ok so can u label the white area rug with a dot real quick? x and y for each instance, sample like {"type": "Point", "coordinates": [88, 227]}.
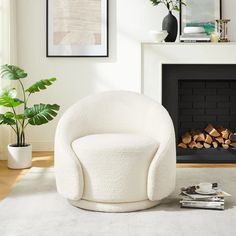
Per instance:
{"type": "Point", "coordinates": [35, 209]}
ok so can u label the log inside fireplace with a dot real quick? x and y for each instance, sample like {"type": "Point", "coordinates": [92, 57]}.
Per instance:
{"type": "Point", "coordinates": [210, 137]}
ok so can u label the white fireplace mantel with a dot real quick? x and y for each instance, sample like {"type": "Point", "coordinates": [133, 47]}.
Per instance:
{"type": "Point", "coordinates": [154, 55]}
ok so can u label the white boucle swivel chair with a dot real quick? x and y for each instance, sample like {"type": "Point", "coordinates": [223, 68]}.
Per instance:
{"type": "Point", "coordinates": [115, 152]}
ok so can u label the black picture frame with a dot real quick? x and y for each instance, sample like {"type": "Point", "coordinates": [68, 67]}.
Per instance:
{"type": "Point", "coordinates": [48, 54]}
{"type": "Point", "coordinates": [181, 18]}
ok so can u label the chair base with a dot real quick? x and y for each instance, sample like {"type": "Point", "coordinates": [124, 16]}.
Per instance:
{"type": "Point", "coordinates": [114, 207]}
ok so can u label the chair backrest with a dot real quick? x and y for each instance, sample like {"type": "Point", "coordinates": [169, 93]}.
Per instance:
{"type": "Point", "coordinates": [115, 112]}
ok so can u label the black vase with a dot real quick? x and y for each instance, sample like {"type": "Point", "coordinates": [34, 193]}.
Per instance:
{"type": "Point", "coordinates": [170, 24]}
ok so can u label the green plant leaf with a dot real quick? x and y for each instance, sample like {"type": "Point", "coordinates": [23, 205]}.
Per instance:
{"type": "Point", "coordinates": [155, 2]}
{"type": "Point", "coordinates": [20, 117]}
{"type": "Point", "coordinates": [16, 117]}
{"type": "Point", "coordinates": [9, 114]}
{"type": "Point", "coordinates": [7, 101]}
{"type": "Point", "coordinates": [6, 119]}
{"type": "Point", "coordinates": [9, 92]}
{"type": "Point", "coordinates": [182, 2]}
{"type": "Point", "coordinates": [41, 113]}
{"type": "Point", "coordinates": [176, 8]}
{"type": "Point", "coordinates": [40, 85]}
{"type": "Point", "coordinates": [12, 72]}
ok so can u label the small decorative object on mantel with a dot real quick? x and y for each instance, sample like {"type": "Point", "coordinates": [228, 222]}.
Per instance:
{"type": "Point", "coordinates": [158, 36]}
{"type": "Point", "coordinates": [170, 22]}
{"type": "Point", "coordinates": [194, 34]}
{"type": "Point", "coordinates": [215, 37]}
{"type": "Point", "coordinates": [20, 114]}
{"type": "Point", "coordinates": [222, 29]}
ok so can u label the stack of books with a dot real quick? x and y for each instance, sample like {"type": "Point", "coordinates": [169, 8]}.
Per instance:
{"type": "Point", "coordinates": [195, 38]}
{"type": "Point", "coordinates": [192, 199]}
{"type": "Point", "coordinates": [194, 34]}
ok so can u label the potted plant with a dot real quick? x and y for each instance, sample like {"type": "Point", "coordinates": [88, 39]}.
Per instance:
{"type": "Point", "coordinates": [19, 115]}
{"type": "Point", "coordinates": [170, 23]}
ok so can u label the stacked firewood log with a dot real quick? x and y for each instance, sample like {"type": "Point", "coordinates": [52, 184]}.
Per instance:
{"type": "Point", "coordinates": [211, 137]}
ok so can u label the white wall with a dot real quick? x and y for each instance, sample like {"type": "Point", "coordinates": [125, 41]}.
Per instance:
{"type": "Point", "coordinates": [129, 20]}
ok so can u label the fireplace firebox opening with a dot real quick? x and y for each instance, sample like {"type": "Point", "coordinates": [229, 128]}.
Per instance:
{"type": "Point", "coordinates": [201, 100]}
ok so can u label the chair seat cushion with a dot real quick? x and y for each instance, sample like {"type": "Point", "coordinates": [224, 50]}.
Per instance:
{"type": "Point", "coordinates": [115, 166]}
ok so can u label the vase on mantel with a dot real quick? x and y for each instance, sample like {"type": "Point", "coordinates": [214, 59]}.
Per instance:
{"type": "Point", "coordinates": [170, 24]}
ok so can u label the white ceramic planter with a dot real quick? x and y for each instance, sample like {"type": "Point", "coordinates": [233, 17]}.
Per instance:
{"type": "Point", "coordinates": [19, 157]}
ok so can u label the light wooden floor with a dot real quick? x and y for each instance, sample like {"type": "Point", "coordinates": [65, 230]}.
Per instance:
{"type": "Point", "coordinates": [8, 177]}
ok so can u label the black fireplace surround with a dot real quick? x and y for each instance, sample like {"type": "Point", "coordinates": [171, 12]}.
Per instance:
{"type": "Point", "coordinates": [196, 95]}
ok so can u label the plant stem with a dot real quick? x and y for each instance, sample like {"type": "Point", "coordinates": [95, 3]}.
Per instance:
{"type": "Point", "coordinates": [28, 97]}
{"type": "Point", "coordinates": [167, 4]}
{"type": "Point", "coordinates": [23, 92]}
{"type": "Point", "coordinates": [17, 129]}
{"type": "Point", "coordinates": [26, 125]}
{"type": "Point", "coordinates": [13, 129]}
{"type": "Point", "coordinates": [22, 136]}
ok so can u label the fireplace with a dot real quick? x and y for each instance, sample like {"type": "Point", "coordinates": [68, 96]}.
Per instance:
{"type": "Point", "coordinates": [196, 95]}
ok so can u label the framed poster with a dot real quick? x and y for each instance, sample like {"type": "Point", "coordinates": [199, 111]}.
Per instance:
{"type": "Point", "coordinates": [77, 28]}
{"type": "Point", "coordinates": [203, 13]}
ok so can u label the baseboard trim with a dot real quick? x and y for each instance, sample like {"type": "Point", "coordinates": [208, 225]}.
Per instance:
{"type": "Point", "coordinates": [42, 146]}
{"type": "Point", "coordinates": [36, 147]}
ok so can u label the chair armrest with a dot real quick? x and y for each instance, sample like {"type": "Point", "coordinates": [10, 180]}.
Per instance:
{"type": "Point", "coordinates": [162, 171]}
{"type": "Point", "coordinates": [69, 173]}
